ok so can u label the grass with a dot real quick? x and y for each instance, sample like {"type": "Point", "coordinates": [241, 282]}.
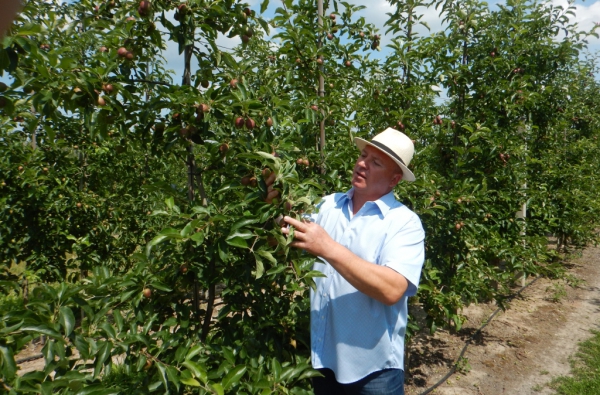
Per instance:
{"type": "Point", "coordinates": [585, 368]}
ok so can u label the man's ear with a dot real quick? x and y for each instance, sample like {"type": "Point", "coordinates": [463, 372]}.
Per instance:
{"type": "Point", "coordinates": [396, 179]}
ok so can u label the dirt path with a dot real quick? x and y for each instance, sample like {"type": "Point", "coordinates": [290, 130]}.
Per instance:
{"type": "Point", "coordinates": [521, 349]}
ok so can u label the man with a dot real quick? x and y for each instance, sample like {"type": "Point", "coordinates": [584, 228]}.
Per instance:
{"type": "Point", "coordinates": [370, 247]}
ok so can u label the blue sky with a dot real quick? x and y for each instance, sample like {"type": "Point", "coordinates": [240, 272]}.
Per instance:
{"type": "Point", "coordinates": [587, 13]}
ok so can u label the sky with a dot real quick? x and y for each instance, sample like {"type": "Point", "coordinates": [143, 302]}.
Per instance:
{"type": "Point", "coordinates": [587, 13]}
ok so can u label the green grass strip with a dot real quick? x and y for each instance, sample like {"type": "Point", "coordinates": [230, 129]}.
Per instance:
{"type": "Point", "coordinates": [585, 368]}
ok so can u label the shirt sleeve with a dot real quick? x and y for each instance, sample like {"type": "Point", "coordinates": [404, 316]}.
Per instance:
{"type": "Point", "coordinates": [404, 252]}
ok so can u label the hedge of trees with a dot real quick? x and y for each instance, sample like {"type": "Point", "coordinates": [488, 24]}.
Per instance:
{"type": "Point", "coordinates": [137, 235]}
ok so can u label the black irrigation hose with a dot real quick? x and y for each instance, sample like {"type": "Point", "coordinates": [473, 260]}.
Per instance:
{"type": "Point", "coordinates": [462, 353]}
{"type": "Point", "coordinates": [29, 358]}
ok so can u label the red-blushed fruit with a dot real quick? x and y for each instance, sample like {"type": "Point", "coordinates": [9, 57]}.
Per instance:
{"type": "Point", "coordinates": [3, 102]}
{"type": "Point", "coordinates": [3, 87]}
{"type": "Point", "coordinates": [348, 63]}
{"type": "Point", "coordinates": [329, 36]}
{"type": "Point", "coordinates": [147, 292]}
{"type": "Point", "coordinates": [184, 268]}
{"type": "Point", "coordinates": [129, 55]}
{"type": "Point", "coordinates": [204, 84]}
{"type": "Point", "coordinates": [144, 6]}
{"type": "Point", "coordinates": [269, 122]}
{"type": "Point", "coordinates": [108, 88]}
{"type": "Point", "coordinates": [247, 11]}
{"type": "Point", "coordinates": [305, 162]}
{"type": "Point", "coordinates": [122, 52]}
{"type": "Point", "coordinates": [101, 101]}
{"type": "Point", "coordinates": [299, 161]}
{"type": "Point", "coordinates": [253, 182]}
{"type": "Point", "coordinates": [203, 107]}
{"type": "Point", "coordinates": [319, 61]}
{"type": "Point", "coordinates": [275, 154]}
{"type": "Point", "coordinates": [271, 195]}
{"type": "Point", "coordinates": [298, 60]}
{"type": "Point", "coordinates": [453, 124]}
{"type": "Point", "coordinates": [458, 226]}
{"type": "Point", "coordinates": [103, 49]}
{"type": "Point", "coordinates": [287, 206]}
{"type": "Point", "coordinates": [223, 148]}
{"type": "Point", "coordinates": [45, 170]}
{"type": "Point", "coordinates": [400, 125]}
{"type": "Point", "coordinates": [78, 205]}
{"type": "Point", "coordinates": [332, 16]}
{"type": "Point", "coordinates": [182, 8]}
{"type": "Point", "coordinates": [245, 181]}
{"type": "Point", "coordinates": [184, 132]}
{"type": "Point", "coordinates": [361, 34]}
{"type": "Point", "coordinates": [239, 122]}
{"type": "Point", "coordinates": [130, 19]}
{"type": "Point", "coordinates": [20, 168]}
{"type": "Point", "coordinates": [250, 123]}
{"type": "Point", "coordinates": [266, 172]}
{"type": "Point", "coordinates": [245, 39]}
{"type": "Point", "coordinates": [314, 107]}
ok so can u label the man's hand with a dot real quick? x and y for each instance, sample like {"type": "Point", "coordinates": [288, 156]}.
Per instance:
{"type": "Point", "coordinates": [309, 236]}
{"type": "Point", "coordinates": [270, 177]}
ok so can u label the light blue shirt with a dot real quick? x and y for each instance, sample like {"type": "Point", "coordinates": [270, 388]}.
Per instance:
{"type": "Point", "coordinates": [351, 333]}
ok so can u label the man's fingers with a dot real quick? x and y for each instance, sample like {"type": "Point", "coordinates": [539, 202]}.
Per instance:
{"type": "Point", "coordinates": [295, 223]}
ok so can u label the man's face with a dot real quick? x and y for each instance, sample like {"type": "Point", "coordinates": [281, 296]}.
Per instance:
{"type": "Point", "coordinates": [375, 173]}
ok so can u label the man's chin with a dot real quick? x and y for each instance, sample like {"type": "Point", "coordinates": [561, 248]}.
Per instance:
{"type": "Point", "coordinates": [358, 182]}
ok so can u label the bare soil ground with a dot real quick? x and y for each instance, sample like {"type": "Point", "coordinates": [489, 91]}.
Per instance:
{"type": "Point", "coordinates": [518, 352]}
{"type": "Point", "coordinates": [522, 348]}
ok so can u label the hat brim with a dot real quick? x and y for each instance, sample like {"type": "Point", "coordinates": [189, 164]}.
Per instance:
{"type": "Point", "coordinates": [407, 175]}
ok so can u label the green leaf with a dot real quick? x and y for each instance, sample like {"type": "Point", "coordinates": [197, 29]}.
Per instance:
{"type": "Point", "coordinates": [241, 234]}
{"type": "Point", "coordinates": [9, 367]}
{"type": "Point", "coordinates": [195, 350]}
{"type": "Point", "coordinates": [66, 319]}
{"type": "Point", "coordinates": [101, 357]}
{"type": "Point", "coordinates": [218, 388]}
{"type": "Point", "coordinates": [190, 381]}
{"type": "Point", "coordinates": [266, 254]}
{"type": "Point", "coordinates": [110, 331]}
{"type": "Point", "coordinates": [233, 377]}
{"type": "Point", "coordinates": [260, 267]}
{"type": "Point", "coordinates": [42, 330]}
{"type": "Point", "coordinates": [161, 286]}
{"type": "Point", "coordinates": [263, 6]}
{"type": "Point", "coordinates": [197, 370]}
{"type": "Point", "coordinates": [237, 242]}
{"type": "Point", "coordinates": [172, 373]}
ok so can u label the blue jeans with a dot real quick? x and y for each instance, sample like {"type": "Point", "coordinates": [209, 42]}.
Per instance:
{"type": "Point", "coordinates": [383, 382]}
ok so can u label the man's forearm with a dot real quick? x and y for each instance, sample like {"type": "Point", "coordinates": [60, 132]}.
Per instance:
{"type": "Point", "coordinates": [379, 282]}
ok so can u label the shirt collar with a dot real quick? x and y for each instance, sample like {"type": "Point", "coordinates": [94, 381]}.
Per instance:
{"type": "Point", "coordinates": [384, 203]}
